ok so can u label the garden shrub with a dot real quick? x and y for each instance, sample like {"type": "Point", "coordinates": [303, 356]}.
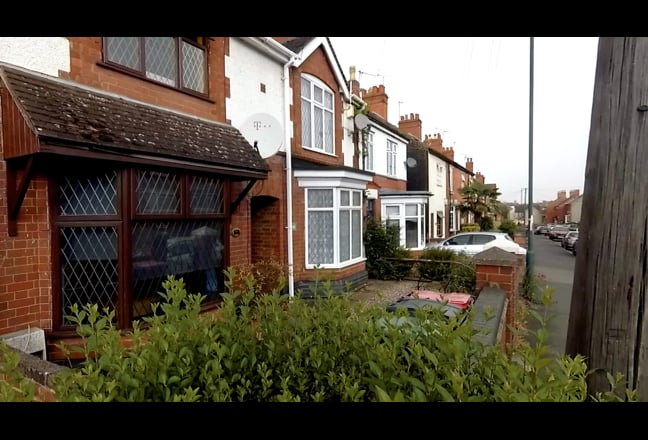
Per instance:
{"type": "Point", "coordinates": [455, 271]}
{"type": "Point", "coordinates": [265, 276]}
{"type": "Point", "coordinates": [508, 226]}
{"type": "Point", "coordinates": [382, 245]}
{"type": "Point", "coordinates": [486, 223]}
{"type": "Point", "coordinates": [272, 348]}
{"type": "Point", "coordinates": [469, 227]}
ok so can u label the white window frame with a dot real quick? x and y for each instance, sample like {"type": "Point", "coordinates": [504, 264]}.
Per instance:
{"type": "Point", "coordinates": [402, 217]}
{"type": "Point", "coordinates": [368, 154]}
{"type": "Point", "coordinates": [336, 180]}
{"type": "Point", "coordinates": [354, 205]}
{"type": "Point", "coordinates": [439, 176]}
{"type": "Point", "coordinates": [391, 157]}
{"type": "Point", "coordinates": [310, 104]}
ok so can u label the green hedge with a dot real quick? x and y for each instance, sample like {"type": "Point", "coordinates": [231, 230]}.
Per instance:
{"type": "Point", "coordinates": [272, 348]}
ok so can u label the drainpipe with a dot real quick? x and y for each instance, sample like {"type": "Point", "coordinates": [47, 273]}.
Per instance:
{"type": "Point", "coordinates": [289, 199]}
{"type": "Point", "coordinates": [287, 132]}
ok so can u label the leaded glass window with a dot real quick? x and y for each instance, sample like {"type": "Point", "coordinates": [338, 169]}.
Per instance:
{"type": "Point", "coordinates": [179, 62]}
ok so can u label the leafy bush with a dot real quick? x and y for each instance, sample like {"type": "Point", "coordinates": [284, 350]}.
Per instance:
{"type": "Point", "coordinates": [469, 227]}
{"type": "Point", "coordinates": [455, 271]}
{"type": "Point", "coordinates": [382, 245]}
{"type": "Point", "coordinates": [439, 268]}
{"type": "Point", "coordinates": [14, 386]}
{"type": "Point", "coordinates": [262, 277]}
{"type": "Point", "coordinates": [486, 223]}
{"type": "Point", "coordinates": [508, 226]}
{"type": "Point", "coordinates": [278, 349]}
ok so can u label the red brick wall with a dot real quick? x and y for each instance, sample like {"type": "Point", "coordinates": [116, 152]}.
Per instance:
{"type": "Point", "coordinates": [85, 54]}
{"type": "Point", "coordinates": [25, 263]}
{"type": "Point", "coordinates": [509, 279]}
{"type": "Point", "coordinates": [318, 66]}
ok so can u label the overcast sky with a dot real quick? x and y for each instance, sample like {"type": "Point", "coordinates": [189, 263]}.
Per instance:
{"type": "Point", "coordinates": [475, 92]}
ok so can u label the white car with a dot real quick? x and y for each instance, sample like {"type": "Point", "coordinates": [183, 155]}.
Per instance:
{"type": "Point", "coordinates": [472, 243]}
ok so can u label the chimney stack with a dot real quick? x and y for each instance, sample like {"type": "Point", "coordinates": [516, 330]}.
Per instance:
{"type": "Point", "coordinates": [376, 100]}
{"type": "Point", "coordinates": [469, 164]}
{"type": "Point", "coordinates": [411, 125]}
{"type": "Point", "coordinates": [574, 193]}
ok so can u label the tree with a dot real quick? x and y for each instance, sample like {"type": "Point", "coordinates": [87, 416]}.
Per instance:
{"type": "Point", "coordinates": [608, 308]}
{"type": "Point", "coordinates": [480, 199]}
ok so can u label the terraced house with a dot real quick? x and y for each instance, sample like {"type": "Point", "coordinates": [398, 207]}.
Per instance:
{"type": "Point", "coordinates": [126, 159]}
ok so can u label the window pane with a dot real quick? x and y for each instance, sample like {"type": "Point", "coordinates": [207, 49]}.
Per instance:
{"type": "Point", "coordinates": [193, 68]}
{"type": "Point", "coordinates": [411, 233]}
{"type": "Point", "coordinates": [320, 237]}
{"type": "Point", "coordinates": [318, 141]}
{"type": "Point", "coordinates": [124, 51]}
{"type": "Point", "coordinates": [411, 210]}
{"type": "Point", "coordinates": [161, 60]}
{"type": "Point", "coordinates": [320, 198]}
{"type": "Point", "coordinates": [328, 132]}
{"type": "Point", "coordinates": [305, 88]}
{"type": "Point", "coordinates": [392, 211]}
{"type": "Point", "coordinates": [88, 268]}
{"type": "Point", "coordinates": [345, 235]}
{"type": "Point", "coordinates": [206, 196]}
{"type": "Point", "coordinates": [482, 239]}
{"type": "Point", "coordinates": [88, 195]}
{"type": "Point", "coordinates": [157, 193]}
{"type": "Point", "coordinates": [356, 233]}
{"type": "Point", "coordinates": [357, 198]}
{"type": "Point", "coordinates": [306, 124]}
{"type": "Point", "coordinates": [317, 94]}
{"type": "Point", "coordinates": [328, 100]}
{"type": "Point", "coordinates": [192, 251]}
{"type": "Point", "coordinates": [344, 198]}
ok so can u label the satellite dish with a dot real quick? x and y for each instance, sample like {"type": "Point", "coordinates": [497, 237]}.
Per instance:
{"type": "Point", "coordinates": [411, 162]}
{"type": "Point", "coordinates": [361, 121]}
{"type": "Point", "coordinates": [263, 131]}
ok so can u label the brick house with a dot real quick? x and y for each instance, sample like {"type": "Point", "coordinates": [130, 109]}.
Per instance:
{"type": "Point", "coordinates": [118, 168]}
{"type": "Point", "coordinates": [384, 147]}
{"type": "Point", "coordinates": [559, 210]}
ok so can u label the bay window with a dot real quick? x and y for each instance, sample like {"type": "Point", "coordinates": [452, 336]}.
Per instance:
{"type": "Point", "coordinates": [334, 226]}
{"type": "Point", "coordinates": [409, 218]}
{"type": "Point", "coordinates": [120, 232]}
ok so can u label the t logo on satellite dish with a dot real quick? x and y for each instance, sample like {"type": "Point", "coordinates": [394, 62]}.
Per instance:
{"type": "Point", "coordinates": [263, 131]}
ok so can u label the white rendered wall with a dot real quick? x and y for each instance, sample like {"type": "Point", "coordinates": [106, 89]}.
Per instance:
{"type": "Point", "coordinates": [42, 54]}
{"type": "Point", "coordinates": [380, 153]}
{"type": "Point", "coordinates": [438, 188]}
{"type": "Point", "coordinates": [247, 69]}
{"type": "Point", "coordinates": [348, 147]}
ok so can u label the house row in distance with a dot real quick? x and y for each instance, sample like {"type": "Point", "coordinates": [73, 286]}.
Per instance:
{"type": "Point", "coordinates": [126, 159]}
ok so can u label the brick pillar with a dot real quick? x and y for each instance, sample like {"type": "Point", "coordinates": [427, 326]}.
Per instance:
{"type": "Point", "coordinates": [498, 268]}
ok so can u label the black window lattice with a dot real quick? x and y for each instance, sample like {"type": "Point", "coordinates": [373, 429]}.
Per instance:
{"type": "Point", "coordinates": [157, 193]}
{"type": "Point", "coordinates": [206, 196]}
{"type": "Point", "coordinates": [125, 51]}
{"type": "Point", "coordinates": [88, 267]}
{"type": "Point", "coordinates": [88, 195]}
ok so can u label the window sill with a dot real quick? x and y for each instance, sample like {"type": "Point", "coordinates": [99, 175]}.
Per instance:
{"type": "Point", "coordinates": [335, 266]}
{"type": "Point", "coordinates": [315, 150]}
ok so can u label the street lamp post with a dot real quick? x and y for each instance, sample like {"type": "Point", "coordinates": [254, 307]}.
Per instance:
{"type": "Point", "coordinates": [529, 255]}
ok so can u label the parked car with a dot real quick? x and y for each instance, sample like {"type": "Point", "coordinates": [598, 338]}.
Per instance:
{"type": "Point", "coordinates": [558, 232]}
{"type": "Point", "coordinates": [472, 243]}
{"type": "Point", "coordinates": [574, 246]}
{"type": "Point", "coordinates": [452, 305]}
{"type": "Point", "coordinates": [569, 239]}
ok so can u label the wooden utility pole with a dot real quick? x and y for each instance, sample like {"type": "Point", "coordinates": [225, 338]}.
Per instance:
{"type": "Point", "coordinates": [608, 318]}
